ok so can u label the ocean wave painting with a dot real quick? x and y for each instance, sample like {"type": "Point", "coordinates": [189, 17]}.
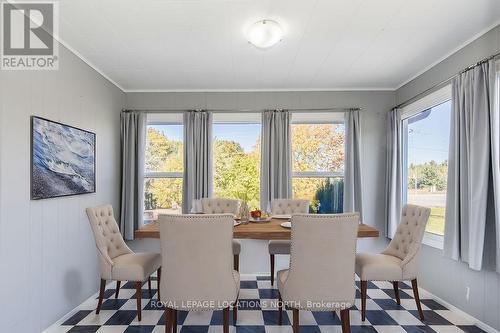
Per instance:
{"type": "Point", "coordinates": [63, 160]}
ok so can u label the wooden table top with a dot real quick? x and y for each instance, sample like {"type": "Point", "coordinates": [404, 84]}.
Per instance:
{"type": "Point", "coordinates": [267, 231]}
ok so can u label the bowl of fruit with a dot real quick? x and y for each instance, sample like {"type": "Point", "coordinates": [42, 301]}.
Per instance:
{"type": "Point", "coordinates": [257, 216]}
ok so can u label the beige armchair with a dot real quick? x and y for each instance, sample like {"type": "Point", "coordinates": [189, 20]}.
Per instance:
{"type": "Point", "coordinates": [224, 206]}
{"type": "Point", "coordinates": [398, 262]}
{"type": "Point", "coordinates": [321, 274]}
{"type": "Point", "coordinates": [197, 251]}
{"type": "Point", "coordinates": [284, 207]}
{"type": "Point", "coordinates": [116, 261]}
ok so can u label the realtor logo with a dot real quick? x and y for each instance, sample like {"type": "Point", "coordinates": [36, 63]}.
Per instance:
{"type": "Point", "coordinates": [28, 30]}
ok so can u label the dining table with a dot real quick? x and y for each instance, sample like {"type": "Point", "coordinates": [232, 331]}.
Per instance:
{"type": "Point", "coordinates": [271, 230]}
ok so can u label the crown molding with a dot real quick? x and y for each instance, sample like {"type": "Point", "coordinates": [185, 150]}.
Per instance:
{"type": "Point", "coordinates": [66, 45]}
{"type": "Point", "coordinates": [450, 53]}
{"type": "Point", "coordinates": [88, 63]}
{"type": "Point", "coordinates": [258, 90]}
{"type": "Point", "coordinates": [319, 89]}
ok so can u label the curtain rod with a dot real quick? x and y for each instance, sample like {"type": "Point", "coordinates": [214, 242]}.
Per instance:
{"type": "Point", "coordinates": [444, 82]}
{"type": "Point", "coordinates": [246, 110]}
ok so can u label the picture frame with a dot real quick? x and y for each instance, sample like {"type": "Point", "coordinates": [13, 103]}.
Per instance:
{"type": "Point", "coordinates": [63, 159]}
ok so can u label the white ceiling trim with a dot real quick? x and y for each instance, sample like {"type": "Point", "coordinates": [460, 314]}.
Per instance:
{"type": "Point", "coordinates": [449, 54]}
{"type": "Point", "coordinates": [259, 90]}
{"type": "Point", "coordinates": [88, 62]}
{"type": "Point", "coordinates": [413, 77]}
{"type": "Point", "coordinates": [79, 55]}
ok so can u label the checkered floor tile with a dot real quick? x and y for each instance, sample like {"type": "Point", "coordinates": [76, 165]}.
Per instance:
{"type": "Point", "coordinates": [257, 314]}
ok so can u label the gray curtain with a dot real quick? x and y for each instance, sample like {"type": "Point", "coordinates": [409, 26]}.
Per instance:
{"type": "Point", "coordinates": [276, 165]}
{"type": "Point", "coordinates": [133, 143]}
{"type": "Point", "coordinates": [394, 174]}
{"type": "Point", "coordinates": [353, 198]}
{"type": "Point", "coordinates": [472, 172]}
{"type": "Point", "coordinates": [197, 157]}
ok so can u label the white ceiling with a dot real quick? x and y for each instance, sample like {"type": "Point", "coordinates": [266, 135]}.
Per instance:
{"type": "Point", "coordinates": [328, 44]}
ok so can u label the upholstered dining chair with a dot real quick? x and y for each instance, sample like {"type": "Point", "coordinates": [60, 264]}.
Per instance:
{"type": "Point", "coordinates": [321, 273]}
{"type": "Point", "coordinates": [398, 262]}
{"type": "Point", "coordinates": [116, 261]}
{"type": "Point", "coordinates": [197, 251]}
{"type": "Point", "coordinates": [284, 207]}
{"type": "Point", "coordinates": [224, 206]}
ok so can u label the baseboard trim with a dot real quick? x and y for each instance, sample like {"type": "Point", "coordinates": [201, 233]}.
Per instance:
{"type": "Point", "coordinates": [52, 328]}
{"type": "Point", "coordinates": [474, 320]}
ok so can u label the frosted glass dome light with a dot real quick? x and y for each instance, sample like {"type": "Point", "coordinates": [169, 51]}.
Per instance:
{"type": "Point", "coordinates": [264, 33]}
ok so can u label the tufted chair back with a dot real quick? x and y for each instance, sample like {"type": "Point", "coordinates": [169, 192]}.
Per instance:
{"type": "Point", "coordinates": [406, 242]}
{"type": "Point", "coordinates": [108, 239]}
{"type": "Point", "coordinates": [197, 249]}
{"type": "Point", "coordinates": [289, 206]}
{"type": "Point", "coordinates": [322, 261]}
{"type": "Point", "coordinates": [220, 206]}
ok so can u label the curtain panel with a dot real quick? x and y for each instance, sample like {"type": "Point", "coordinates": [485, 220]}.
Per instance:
{"type": "Point", "coordinates": [473, 184]}
{"type": "Point", "coordinates": [353, 192]}
{"type": "Point", "coordinates": [276, 155]}
{"type": "Point", "coordinates": [394, 173]}
{"type": "Point", "coordinates": [133, 145]}
{"type": "Point", "coordinates": [198, 171]}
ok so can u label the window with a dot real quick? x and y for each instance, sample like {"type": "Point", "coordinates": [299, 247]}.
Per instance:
{"type": "Point", "coordinates": [163, 169]}
{"type": "Point", "coordinates": [237, 157]}
{"type": "Point", "coordinates": [318, 160]}
{"type": "Point", "coordinates": [426, 131]}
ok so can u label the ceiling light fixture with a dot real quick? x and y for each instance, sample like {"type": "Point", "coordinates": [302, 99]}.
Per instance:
{"type": "Point", "coordinates": [264, 33]}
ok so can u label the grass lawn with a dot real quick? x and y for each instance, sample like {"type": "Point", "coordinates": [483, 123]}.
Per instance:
{"type": "Point", "coordinates": [436, 221]}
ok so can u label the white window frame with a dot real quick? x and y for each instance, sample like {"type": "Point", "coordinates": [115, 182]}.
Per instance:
{"type": "Point", "coordinates": [171, 118]}
{"type": "Point", "coordinates": [438, 97]}
{"type": "Point", "coordinates": [308, 118]}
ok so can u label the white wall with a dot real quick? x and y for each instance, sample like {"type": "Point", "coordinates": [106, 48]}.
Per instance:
{"type": "Point", "coordinates": [442, 276]}
{"type": "Point", "coordinates": [48, 257]}
{"type": "Point", "coordinates": [254, 257]}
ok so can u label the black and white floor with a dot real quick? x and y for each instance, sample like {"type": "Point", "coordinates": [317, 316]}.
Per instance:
{"type": "Point", "coordinates": [256, 314]}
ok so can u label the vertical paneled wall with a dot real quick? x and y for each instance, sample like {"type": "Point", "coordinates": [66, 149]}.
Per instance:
{"type": "Point", "coordinates": [47, 253]}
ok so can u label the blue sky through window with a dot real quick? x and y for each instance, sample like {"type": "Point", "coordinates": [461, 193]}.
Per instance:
{"type": "Point", "coordinates": [245, 134]}
{"type": "Point", "coordinates": [173, 132]}
{"type": "Point", "coordinates": [428, 138]}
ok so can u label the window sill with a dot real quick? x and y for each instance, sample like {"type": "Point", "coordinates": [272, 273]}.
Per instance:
{"type": "Point", "coordinates": [433, 240]}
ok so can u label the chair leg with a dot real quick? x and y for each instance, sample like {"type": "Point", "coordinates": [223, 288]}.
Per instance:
{"type": "Point", "coordinates": [168, 320]}
{"type": "Point", "coordinates": [364, 285]}
{"type": "Point", "coordinates": [101, 295]}
{"type": "Point", "coordinates": [395, 285]}
{"type": "Point", "coordinates": [295, 320]}
{"type": "Point", "coordinates": [235, 312]}
{"type": "Point", "coordinates": [117, 288]}
{"type": "Point", "coordinates": [174, 321]}
{"type": "Point", "coordinates": [271, 257]}
{"type": "Point", "coordinates": [346, 325]}
{"type": "Point", "coordinates": [149, 287]}
{"type": "Point", "coordinates": [158, 279]}
{"type": "Point", "coordinates": [138, 296]}
{"type": "Point", "coordinates": [236, 262]}
{"type": "Point", "coordinates": [225, 315]}
{"type": "Point", "coordinates": [280, 311]}
{"type": "Point", "coordinates": [417, 298]}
